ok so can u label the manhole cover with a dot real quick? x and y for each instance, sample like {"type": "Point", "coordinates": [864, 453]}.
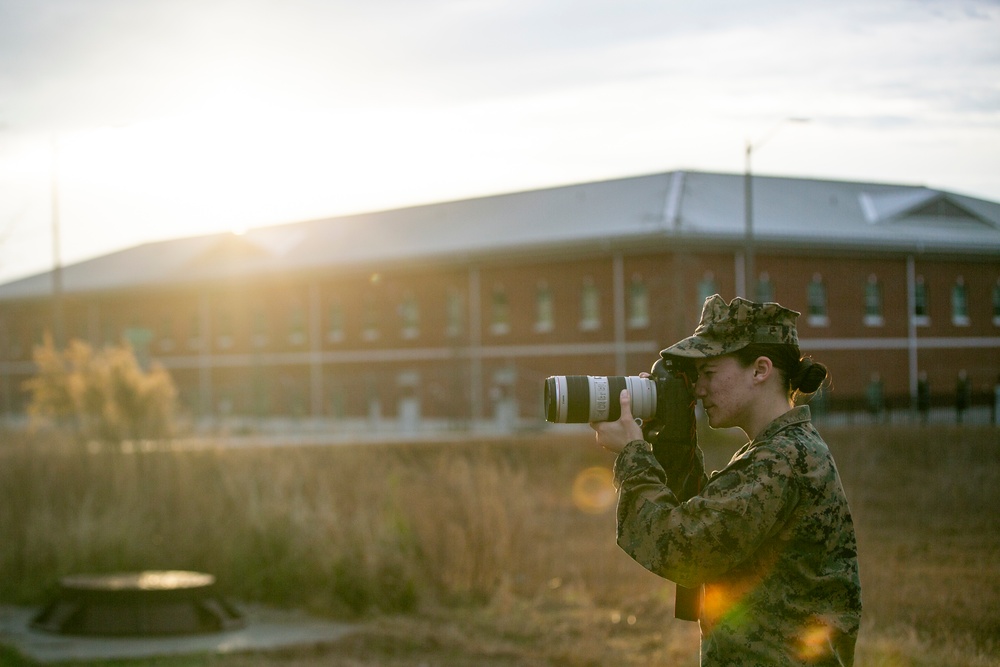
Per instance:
{"type": "Point", "coordinates": [168, 602]}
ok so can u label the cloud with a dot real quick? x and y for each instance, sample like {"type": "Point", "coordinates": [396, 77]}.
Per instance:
{"type": "Point", "coordinates": [112, 61]}
{"type": "Point", "coordinates": [495, 94]}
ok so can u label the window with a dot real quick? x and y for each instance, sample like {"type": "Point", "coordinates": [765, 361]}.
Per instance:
{"type": "Point", "coordinates": [409, 313]}
{"type": "Point", "coordinates": [138, 338]}
{"type": "Point", "coordinates": [638, 303]}
{"type": "Point", "coordinates": [544, 308]}
{"type": "Point", "coordinates": [194, 331]}
{"type": "Point", "coordinates": [590, 306]}
{"type": "Point", "coordinates": [959, 303]}
{"type": "Point", "coordinates": [370, 318]}
{"type": "Point", "coordinates": [816, 302]}
{"type": "Point", "coordinates": [296, 325]}
{"type": "Point", "coordinates": [224, 336]}
{"type": "Point", "coordinates": [18, 347]}
{"type": "Point", "coordinates": [499, 312]}
{"type": "Point", "coordinates": [455, 313]}
{"type": "Point", "coordinates": [706, 287]}
{"type": "Point", "coordinates": [13, 340]}
{"type": "Point", "coordinates": [261, 392]}
{"type": "Point", "coordinates": [258, 328]}
{"type": "Point", "coordinates": [337, 403]}
{"type": "Point", "coordinates": [166, 334]}
{"type": "Point", "coordinates": [873, 302]}
{"type": "Point", "coordinates": [41, 331]}
{"type": "Point", "coordinates": [996, 303]}
{"type": "Point", "coordinates": [921, 314]}
{"type": "Point", "coordinates": [335, 322]}
{"type": "Point", "coordinates": [294, 394]}
{"type": "Point", "coordinates": [765, 288]}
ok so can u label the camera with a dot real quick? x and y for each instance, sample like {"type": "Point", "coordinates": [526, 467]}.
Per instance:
{"type": "Point", "coordinates": [581, 399]}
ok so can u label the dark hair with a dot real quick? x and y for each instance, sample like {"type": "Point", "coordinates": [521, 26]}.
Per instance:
{"type": "Point", "coordinates": [801, 374]}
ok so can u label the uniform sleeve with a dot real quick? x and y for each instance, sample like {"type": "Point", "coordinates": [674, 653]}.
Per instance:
{"type": "Point", "coordinates": [697, 540]}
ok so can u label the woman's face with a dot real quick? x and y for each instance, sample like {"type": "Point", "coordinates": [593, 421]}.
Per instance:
{"type": "Point", "coordinates": [724, 387]}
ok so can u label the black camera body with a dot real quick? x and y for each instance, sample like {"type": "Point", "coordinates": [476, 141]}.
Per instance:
{"type": "Point", "coordinates": [664, 401]}
{"type": "Point", "coordinates": [674, 427]}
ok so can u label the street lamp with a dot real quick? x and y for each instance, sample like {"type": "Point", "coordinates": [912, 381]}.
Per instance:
{"type": "Point", "coordinates": [749, 277]}
{"type": "Point", "coordinates": [58, 332]}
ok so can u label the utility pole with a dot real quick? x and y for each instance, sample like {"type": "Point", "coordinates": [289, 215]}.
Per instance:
{"type": "Point", "coordinates": [749, 270]}
{"type": "Point", "coordinates": [57, 286]}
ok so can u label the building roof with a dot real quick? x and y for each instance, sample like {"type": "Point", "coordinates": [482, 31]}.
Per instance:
{"type": "Point", "coordinates": [666, 208]}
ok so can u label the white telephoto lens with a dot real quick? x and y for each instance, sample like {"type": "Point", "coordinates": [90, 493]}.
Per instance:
{"type": "Point", "coordinates": [642, 392]}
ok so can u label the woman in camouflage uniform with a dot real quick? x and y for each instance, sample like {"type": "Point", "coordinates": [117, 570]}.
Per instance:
{"type": "Point", "coordinates": [770, 536]}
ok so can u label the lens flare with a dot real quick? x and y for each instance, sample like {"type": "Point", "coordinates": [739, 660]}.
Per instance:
{"type": "Point", "coordinates": [814, 642]}
{"type": "Point", "coordinates": [593, 490]}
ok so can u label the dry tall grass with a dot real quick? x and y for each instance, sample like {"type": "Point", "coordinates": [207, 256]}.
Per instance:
{"type": "Point", "coordinates": [513, 529]}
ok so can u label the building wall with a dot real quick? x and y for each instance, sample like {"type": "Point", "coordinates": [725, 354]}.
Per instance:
{"type": "Point", "coordinates": [467, 340]}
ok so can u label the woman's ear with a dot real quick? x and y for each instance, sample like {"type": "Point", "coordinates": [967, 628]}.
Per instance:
{"type": "Point", "coordinates": [762, 367]}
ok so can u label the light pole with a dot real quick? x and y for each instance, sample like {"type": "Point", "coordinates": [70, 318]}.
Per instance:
{"type": "Point", "coordinates": [57, 286]}
{"type": "Point", "coordinates": [749, 271]}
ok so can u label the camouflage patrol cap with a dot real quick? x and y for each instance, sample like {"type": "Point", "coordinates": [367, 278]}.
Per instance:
{"type": "Point", "coordinates": [726, 328]}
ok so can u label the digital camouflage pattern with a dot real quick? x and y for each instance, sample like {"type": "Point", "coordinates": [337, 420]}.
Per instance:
{"type": "Point", "coordinates": [726, 328]}
{"type": "Point", "coordinates": [770, 536]}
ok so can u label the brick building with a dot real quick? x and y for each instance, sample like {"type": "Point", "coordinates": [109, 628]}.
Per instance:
{"type": "Point", "coordinates": [457, 311]}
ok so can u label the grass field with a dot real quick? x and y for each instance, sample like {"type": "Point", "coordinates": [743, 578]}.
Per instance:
{"type": "Point", "coordinates": [490, 552]}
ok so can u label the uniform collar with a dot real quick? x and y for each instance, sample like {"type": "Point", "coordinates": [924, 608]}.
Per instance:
{"type": "Point", "coordinates": [797, 415]}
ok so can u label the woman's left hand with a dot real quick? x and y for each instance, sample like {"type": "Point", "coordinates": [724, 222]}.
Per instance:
{"type": "Point", "coordinates": [613, 436]}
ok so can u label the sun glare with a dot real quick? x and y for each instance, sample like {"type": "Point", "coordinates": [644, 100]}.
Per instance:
{"type": "Point", "coordinates": [206, 172]}
{"type": "Point", "coordinates": [593, 490]}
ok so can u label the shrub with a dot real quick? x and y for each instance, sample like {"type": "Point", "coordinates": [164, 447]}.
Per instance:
{"type": "Point", "coordinates": [101, 395]}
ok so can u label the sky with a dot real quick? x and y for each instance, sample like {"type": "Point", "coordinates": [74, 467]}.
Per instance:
{"type": "Point", "coordinates": [129, 121]}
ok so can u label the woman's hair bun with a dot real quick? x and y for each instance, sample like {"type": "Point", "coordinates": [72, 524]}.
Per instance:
{"type": "Point", "coordinates": [808, 376]}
